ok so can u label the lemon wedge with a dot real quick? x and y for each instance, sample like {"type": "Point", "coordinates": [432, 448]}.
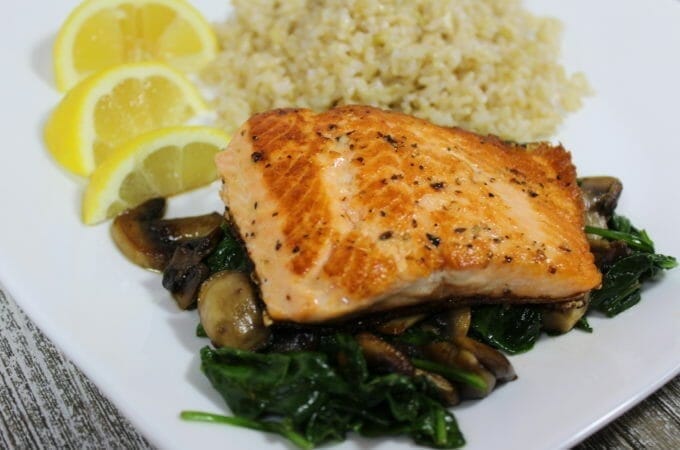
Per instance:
{"type": "Point", "coordinates": [103, 33]}
{"type": "Point", "coordinates": [156, 164]}
{"type": "Point", "coordinates": [111, 107]}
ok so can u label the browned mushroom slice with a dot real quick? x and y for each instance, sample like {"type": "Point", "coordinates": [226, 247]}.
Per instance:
{"type": "Point", "coordinates": [382, 356]}
{"type": "Point", "coordinates": [459, 321]}
{"type": "Point", "coordinates": [400, 324]}
{"type": "Point", "coordinates": [600, 195]}
{"type": "Point", "coordinates": [448, 354]}
{"type": "Point", "coordinates": [562, 317]}
{"type": "Point", "coordinates": [149, 241]}
{"type": "Point", "coordinates": [230, 312]}
{"type": "Point", "coordinates": [447, 391]}
{"type": "Point", "coordinates": [186, 271]}
{"type": "Point", "coordinates": [489, 357]}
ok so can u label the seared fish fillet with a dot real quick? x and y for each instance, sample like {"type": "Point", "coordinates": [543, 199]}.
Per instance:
{"type": "Point", "coordinates": [358, 210]}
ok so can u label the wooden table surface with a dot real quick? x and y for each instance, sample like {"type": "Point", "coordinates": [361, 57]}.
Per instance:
{"type": "Point", "coordinates": [46, 402]}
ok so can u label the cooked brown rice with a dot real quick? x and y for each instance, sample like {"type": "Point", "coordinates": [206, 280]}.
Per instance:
{"type": "Point", "coordinates": [487, 65]}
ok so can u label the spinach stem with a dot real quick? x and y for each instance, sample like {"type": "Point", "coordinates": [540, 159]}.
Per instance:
{"type": "Point", "coordinates": [271, 427]}
{"type": "Point", "coordinates": [641, 242]}
{"type": "Point", "coordinates": [441, 428]}
{"type": "Point", "coordinates": [453, 373]}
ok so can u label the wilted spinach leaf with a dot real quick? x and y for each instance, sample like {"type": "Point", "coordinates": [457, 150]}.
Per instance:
{"type": "Point", "coordinates": [623, 278]}
{"type": "Point", "coordinates": [229, 254]}
{"type": "Point", "coordinates": [583, 324]}
{"type": "Point", "coordinates": [622, 281]}
{"type": "Point", "coordinates": [200, 331]}
{"type": "Point", "coordinates": [511, 328]}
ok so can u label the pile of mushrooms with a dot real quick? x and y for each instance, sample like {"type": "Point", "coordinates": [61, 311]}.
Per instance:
{"type": "Point", "coordinates": [455, 350]}
{"type": "Point", "coordinates": [228, 307]}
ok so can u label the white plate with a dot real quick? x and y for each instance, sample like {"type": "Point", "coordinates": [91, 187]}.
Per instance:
{"type": "Point", "coordinates": [115, 321]}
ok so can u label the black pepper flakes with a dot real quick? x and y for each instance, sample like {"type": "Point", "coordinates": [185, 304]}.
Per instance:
{"type": "Point", "coordinates": [414, 223]}
{"type": "Point", "coordinates": [296, 249]}
{"type": "Point", "coordinates": [491, 194]}
{"type": "Point", "coordinates": [255, 205]}
{"type": "Point", "coordinates": [434, 239]}
{"type": "Point", "coordinates": [438, 186]}
{"type": "Point", "coordinates": [277, 247]}
{"type": "Point", "coordinates": [460, 229]}
{"type": "Point", "coordinates": [389, 139]}
{"type": "Point", "coordinates": [256, 156]}
{"type": "Point", "coordinates": [508, 259]}
{"type": "Point", "coordinates": [533, 194]}
{"type": "Point", "coordinates": [385, 236]}
{"type": "Point", "coordinates": [552, 270]}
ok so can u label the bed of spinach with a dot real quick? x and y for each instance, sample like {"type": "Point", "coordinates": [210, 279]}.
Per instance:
{"type": "Point", "coordinates": [317, 397]}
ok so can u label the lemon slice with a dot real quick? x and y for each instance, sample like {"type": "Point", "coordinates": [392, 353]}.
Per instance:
{"type": "Point", "coordinates": [103, 33]}
{"type": "Point", "coordinates": [157, 164]}
{"type": "Point", "coordinates": [111, 107]}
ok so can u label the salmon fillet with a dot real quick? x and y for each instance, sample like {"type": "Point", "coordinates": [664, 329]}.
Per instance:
{"type": "Point", "coordinates": [359, 210]}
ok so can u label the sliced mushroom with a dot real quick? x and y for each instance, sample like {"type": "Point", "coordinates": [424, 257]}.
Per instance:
{"type": "Point", "coordinates": [601, 194]}
{"type": "Point", "coordinates": [489, 357]}
{"type": "Point", "coordinates": [459, 321]}
{"type": "Point", "coordinates": [230, 312]}
{"type": "Point", "coordinates": [399, 325]}
{"type": "Point", "coordinates": [149, 241]}
{"type": "Point", "coordinates": [382, 356]}
{"type": "Point", "coordinates": [186, 271]}
{"type": "Point", "coordinates": [447, 391]}
{"type": "Point", "coordinates": [560, 318]}
{"type": "Point", "coordinates": [448, 354]}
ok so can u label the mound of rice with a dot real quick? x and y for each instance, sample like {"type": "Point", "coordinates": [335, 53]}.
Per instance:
{"type": "Point", "coordinates": [485, 65]}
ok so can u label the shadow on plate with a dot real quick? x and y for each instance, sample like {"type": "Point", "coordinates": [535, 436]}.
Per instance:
{"type": "Point", "coordinates": [41, 59]}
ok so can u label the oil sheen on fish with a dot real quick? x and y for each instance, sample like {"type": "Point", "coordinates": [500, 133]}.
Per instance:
{"type": "Point", "coordinates": [359, 210]}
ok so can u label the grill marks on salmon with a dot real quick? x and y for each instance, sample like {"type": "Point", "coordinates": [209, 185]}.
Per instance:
{"type": "Point", "coordinates": [358, 210]}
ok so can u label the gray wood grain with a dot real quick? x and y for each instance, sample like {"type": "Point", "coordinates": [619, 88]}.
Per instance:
{"type": "Point", "coordinates": [46, 402]}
